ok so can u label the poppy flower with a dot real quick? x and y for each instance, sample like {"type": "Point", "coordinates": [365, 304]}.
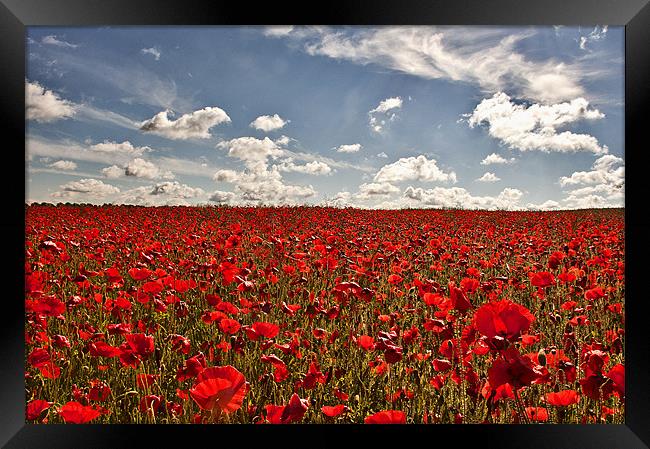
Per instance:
{"type": "Point", "coordinates": [542, 279]}
{"type": "Point", "coordinates": [386, 417]}
{"type": "Point", "coordinates": [617, 376]}
{"type": "Point", "coordinates": [512, 369]}
{"type": "Point", "coordinates": [366, 342]}
{"type": "Point", "coordinates": [286, 414]}
{"type": "Point", "coordinates": [229, 326]}
{"type": "Point", "coordinates": [563, 398]}
{"type": "Point", "coordinates": [333, 411]}
{"type": "Point", "coordinates": [262, 329]}
{"type": "Point", "coordinates": [539, 414]}
{"type": "Point", "coordinates": [502, 318]}
{"type": "Point", "coordinates": [139, 274]}
{"type": "Point", "coordinates": [220, 388]}
{"type": "Point", "coordinates": [141, 344]}
{"type": "Point", "coordinates": [76, 413]}
{"type": "Point", "coordinates": [458, 299]}
{"type": "Point", "coordinates": [36, 407]}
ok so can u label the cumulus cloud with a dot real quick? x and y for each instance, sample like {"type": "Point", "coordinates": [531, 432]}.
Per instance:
{"type": "Point", "coordinates": [546, 205]}
{"type": "Point", "coordinates": [252, 151]}
{"type": "Point", "coordinates": [489, 177]}
{"type": "Point", "coordinates": [602, 186]}
{"type": "Point", "coordinates": [374, 189]}
{"type": "Point", "coordinates": [122, 148]}
{"type": "Point", "coordinates": [351, 148]}
{"type": "Point", "coordinates": [43, 105]}
{"type": "Point", "coordinates": [379, 116]}
{"type": "Point", "coordinates": [259, 183]}
{"type": "Point", "coordinates": [457, 197]}
{"type": "Point", "coordinates": [414, 169]}
{"type": "Point", "coordinates": [494, 158]}
{"type": "Point", "coordinates": [195, 125]}
{"type": "Point", "coordinates": [310, 168]}
{"type": "Point", "coordinates": [221, 197]}
{"type": "Point", "coordinates": [87, 187]}
{"type": "Point", "coordinates": [113, 172]}
{"type": "Point", "coordinates": [63, 165]}
{"type": "Point", "coordinates": [141, 168]}
{"type": "Point", "coordinates": [174, 189]}
{"type": "Point", "coordinates": [151, 51]}
{"type": "Point", "coordinates": [53, 40]}
{"type": "Point", "coordinates": [534, 127]}
{"type": "Point", "coordinates": [268, 123]}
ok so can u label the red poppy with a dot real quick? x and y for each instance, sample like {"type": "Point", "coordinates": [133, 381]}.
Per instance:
{"type": "Point", "coordinates": [262, 329]}
{"type": "Point", "coordinates": [220, 388]}
{"type": "Point", "coordinates": [458, 299]}
{"type": "Point", "coordinates": [36, 407]}
{"type": "Point", "coordinates": [563, 398]}
{"type": "Point", "coordinates": [103, 349]}
{"type": "Point", "coordinates": [285, 414]}
{"type": "Point", "coordinates": [139, 274]}
{"type": "Point", "coordinates": [229, 326]}
{"type": "Point", "coordinates": [145, 381]}
{"type": "Point", "coordinates": [539, 414]}
{"type": "Point", "coordinates": [542, 279]}
{"type": "Point", "coordinates": [141, 344]}
{"type": "Point", "coordinates": [512, 369]}
{"type": "Point", "coordinates": [502, 318]}
{"type": "Point", "coordinates": [617, 376]}
{"type": "Point", "coordinates": [366, 342]}
{"type": "Point", "coordinates": [386, 417]}
{"type": "Point", "coordinates": [333, 411]}
{"type": "Point", "coordinates": [76, 413]}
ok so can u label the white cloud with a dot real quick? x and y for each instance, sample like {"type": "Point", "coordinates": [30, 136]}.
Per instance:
{"type": "Point", "coordinates": [43, 105]}
{"type": "Point", "coordinates": [283, 140]}
{"type": "Point", "coordinates": [268, 123]}
{"type": "Point", "coordinates": [278, 31]}
{"type": "Point", "coordinates": [91, 188]}
{"type": "Point", "coordinates": [374, 189]}
{"type": "Point", "coordinates": [195, 125]}
{"type": "Point", "coordinates": [174, 189]}
{"type": "Point", "coordinates": [414, 168]}
{"type": "Point", "coordinates": [597, 34]}
{"type": "Point", "coordinates": [259, 184]}
{"type": "Point", "coordinates": [221, 197]}
{"type": "Point", "coordinates": [388, 104]}
{"type": "Point", "coordinates": [603, 186]}
{"type": "Point", "coordinates": [113, 172]}
{"type": "Point", "coordinates": [53, 40]}
{"type": "Point", "coordinates": [141, 168]}
{"type": "Point", "coordinates": [496, 159]}
{"type": "Point", "coordinates": [607, 169]}
{"type": "Point", "coordinates": [151, 51]}
{"type": "Point", "coordinates": [546, 205]}
{"type": "Point", "coordinates": [379, 115]}
{"type": "Point", "coordinates": [457, 197]}
{"type": "Point", "coordinates": [63, 165]}
{"type": "Point", "coordinates": [106, 152]}
{"type": "Point", "coordinates": [382, 155]}
{"type": "Point", "coordinates": [310, 168]}
{"type": "Point", "coordinates": [489, 177]}
{"type": "Point", "coordinates": [123, 148]}
{"type": "Point", "coordinates": [351, 148]}
{"type": "Point", "coordinates": [484, 56]}
{"type": "Point", "coordinates": [253, 152]}
{"type": "Point", "coordinates": [534, 127]}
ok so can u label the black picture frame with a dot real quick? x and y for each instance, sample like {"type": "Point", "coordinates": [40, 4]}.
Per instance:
{"type": "Point", "coordinates": [15, 15]}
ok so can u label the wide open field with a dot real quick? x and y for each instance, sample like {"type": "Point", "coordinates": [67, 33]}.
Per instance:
{"type": "Point", "coordinates": [321, 315]}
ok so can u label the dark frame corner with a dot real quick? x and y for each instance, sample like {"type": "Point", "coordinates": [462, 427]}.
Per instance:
{"type": "Point", "coordinates": [15, 15]}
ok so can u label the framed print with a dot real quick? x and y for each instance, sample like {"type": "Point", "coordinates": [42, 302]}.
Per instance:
{"type": "Point", "coordinates": [370, 220]}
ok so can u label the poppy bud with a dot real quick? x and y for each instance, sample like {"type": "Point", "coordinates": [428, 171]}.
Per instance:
{"type": "Point", "coordinates": [541, 357]}
{"type": "Point", "coordinates": [356, 398]}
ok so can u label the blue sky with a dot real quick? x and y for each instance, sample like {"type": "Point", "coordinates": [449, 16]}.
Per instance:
{"type": "Point", "coordinates": [378, 117]}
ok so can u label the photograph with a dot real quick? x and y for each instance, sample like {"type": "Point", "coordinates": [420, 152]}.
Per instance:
{"type": "Point", "coordinates": [325, 224]}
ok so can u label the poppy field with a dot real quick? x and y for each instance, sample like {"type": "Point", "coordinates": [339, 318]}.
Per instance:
{"type": "Point", "coordinates": [323, 315]}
